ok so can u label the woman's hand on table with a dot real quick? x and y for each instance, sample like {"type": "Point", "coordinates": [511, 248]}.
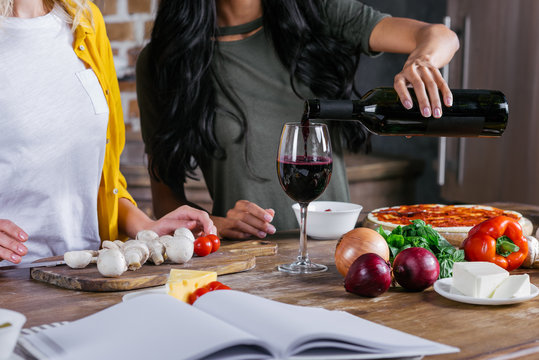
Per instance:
{"type": "Point", "coordinates": [11, 241]}
{"type": "Point", "coordinates": [198, 221]}
{"type": "Point", "coordinates": [244, 220]}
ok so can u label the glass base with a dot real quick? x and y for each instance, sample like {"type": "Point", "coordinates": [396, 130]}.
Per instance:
{"type": "Point", "coordinates": [299, 267]}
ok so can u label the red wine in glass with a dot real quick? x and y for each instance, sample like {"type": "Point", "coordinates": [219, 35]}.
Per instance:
{"type": "Point", "coordinates": [304, 165]}
{"type": "Point", "coordinates": [304, 178]}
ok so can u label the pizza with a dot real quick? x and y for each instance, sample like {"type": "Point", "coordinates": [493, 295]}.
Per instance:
{"type": "Point", "coordinates": [452, 221]}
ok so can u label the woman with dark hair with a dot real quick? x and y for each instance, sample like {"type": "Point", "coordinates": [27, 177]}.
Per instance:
{"type": "Point", "coordinates": [219, 79]}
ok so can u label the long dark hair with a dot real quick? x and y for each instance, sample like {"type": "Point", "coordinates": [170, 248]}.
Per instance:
{"type": "Point", "coordinates": [181, 53]}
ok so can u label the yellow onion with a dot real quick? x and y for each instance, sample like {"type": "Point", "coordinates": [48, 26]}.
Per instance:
{"type": "Point", "coordinates": [357, 242]}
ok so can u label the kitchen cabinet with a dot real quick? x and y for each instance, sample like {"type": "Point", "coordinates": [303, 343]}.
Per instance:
{"type": "Point", "coordinates": [499, 50]}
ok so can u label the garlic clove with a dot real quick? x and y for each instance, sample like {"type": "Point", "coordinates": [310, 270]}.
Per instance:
{"type": "Point", "coordinates": [532, 259]}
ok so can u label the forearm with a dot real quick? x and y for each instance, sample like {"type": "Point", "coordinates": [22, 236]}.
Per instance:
{"type": "Point", "coordinates": [436, 42]}
{"type": "Point", "coordinates": [165, 200]}
{"type": "Point", "coordinates": [131, 219]}
{"type": "Point", "coordinates": [417, 38]}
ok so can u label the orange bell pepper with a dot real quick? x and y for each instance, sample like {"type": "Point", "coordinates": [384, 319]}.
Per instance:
{"type": "Point", "coordinates": [498, 240]}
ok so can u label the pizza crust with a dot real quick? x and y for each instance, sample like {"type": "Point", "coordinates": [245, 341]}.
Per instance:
{"type": "Point", "coordinates": [454, 235]}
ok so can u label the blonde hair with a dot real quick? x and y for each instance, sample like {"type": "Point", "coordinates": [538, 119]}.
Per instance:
{"type": "Point", "coordinates": [74, 10]}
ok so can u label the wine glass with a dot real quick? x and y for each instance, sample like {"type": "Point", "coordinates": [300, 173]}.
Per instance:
{"type": "Point", "coordinates": [304, 166]}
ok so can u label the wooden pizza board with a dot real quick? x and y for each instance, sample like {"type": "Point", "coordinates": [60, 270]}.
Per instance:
{"type": "Point", "coordinates": [230, 258]}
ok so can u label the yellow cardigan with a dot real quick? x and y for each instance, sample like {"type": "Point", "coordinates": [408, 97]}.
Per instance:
{"type": "Point", "coordinates": [92, 46]}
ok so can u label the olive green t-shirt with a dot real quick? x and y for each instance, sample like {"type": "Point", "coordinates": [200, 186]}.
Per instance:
{"type": "Point", "coordinates": [252, 70]}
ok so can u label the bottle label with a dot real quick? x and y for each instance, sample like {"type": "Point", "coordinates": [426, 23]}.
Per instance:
{"type": "Point", "coordinates": [455, 126]}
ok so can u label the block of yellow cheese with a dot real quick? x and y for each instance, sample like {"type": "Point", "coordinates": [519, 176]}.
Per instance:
{"type": "Point", "coordinates": [181, 283]}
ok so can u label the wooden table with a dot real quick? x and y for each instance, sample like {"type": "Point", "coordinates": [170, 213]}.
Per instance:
{"type": "Point", "coordinates": [481, 332]}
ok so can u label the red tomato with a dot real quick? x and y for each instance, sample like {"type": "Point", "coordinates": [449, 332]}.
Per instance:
{"type": "Point", "coordinates": [222, 287]}
{"type": "Point", "coordinates": [203, 246]}
{"type": "Point", "coordinates": [213, 285]}
{"type": "Point", "coordinates": [196, 294]}
{"type": "Point", "coordinates": [216, 243]}
{"type": "Point", "coordinates": [216, 285]}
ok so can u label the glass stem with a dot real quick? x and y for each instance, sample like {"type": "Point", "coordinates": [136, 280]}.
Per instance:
{"type": "Point", "coordinates": [303, 256]}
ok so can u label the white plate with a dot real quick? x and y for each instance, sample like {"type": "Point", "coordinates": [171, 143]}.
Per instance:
{"type": "Point", "coordinates": [443, 287]}
{"type": "Point", "coordinates": [155, 290]}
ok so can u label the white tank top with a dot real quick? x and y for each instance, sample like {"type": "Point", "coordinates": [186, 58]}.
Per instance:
{"type": "Point", "coordinates": [53, 123]}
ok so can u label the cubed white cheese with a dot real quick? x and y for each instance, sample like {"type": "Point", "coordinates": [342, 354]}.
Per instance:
{"type": "Point", "coordinates": [477, 278]}
{"type": "Point", "coordinates": [513, 286]}
{"type": "Point", "coordinates": [453, 290]}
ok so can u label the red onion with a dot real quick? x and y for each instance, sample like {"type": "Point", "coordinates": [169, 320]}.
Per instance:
{"type": "Point", "coordinates": [416, 268]}
{"type": "Point", "coordinates": [357, 242]}
{"type": "Point", "coordinates": [369, 275]}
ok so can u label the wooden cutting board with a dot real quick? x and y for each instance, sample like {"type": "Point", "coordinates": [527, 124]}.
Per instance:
{"type": "Point", "coordinates": [231, 258]}
{"type": "Point", "coordinates": [250, 247]}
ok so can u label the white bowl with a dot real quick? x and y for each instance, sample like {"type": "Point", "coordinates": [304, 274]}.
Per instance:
{"type": "Point", "coordinates": [329, 219]}
{"type": "Point", "coordinates": [9, 334]}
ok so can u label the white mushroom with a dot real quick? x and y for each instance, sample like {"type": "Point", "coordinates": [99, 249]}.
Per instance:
{"type": "Point", "coordinates": [185, 232]}
{"type": "Point", "coordinates": [119, 243]}
{"type": "Point", "coordinates": [136, 253]}
{"type": "Point", "coordinates": [117, 256]}
{"type": "Point", "coordinates": [80, 259]}
{"type": "Point", "coordinates": [179, 248]}
{"type": "Point", "coordinates": [111, 262]}
{"type": "Point", "coordinates": [146, 235]}
{"type": "Point", "coordinates": [110, 244]}
{"type": "Point", "coordinates": [157, 251]}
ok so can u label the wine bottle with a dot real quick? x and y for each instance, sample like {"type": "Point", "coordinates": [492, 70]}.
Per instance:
{"type": "Point", "coordinates": [474, 113]}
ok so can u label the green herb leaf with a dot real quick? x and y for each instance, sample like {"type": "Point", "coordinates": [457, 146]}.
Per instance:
{"type": "Point", "coordinates": [394, 251]}
{"type": "Point", "coordinates": [446, 267]}
{"type": "Point", "coordinates": [419, 234]}
{"type": "Point", "coordinates": [418, 241]}
{"type": "Point", "coordinates": [458, 255]}
{"type": "Point", "coordinates": [397, 230]}
{"type": "Point", "coordinates": [383, 232]}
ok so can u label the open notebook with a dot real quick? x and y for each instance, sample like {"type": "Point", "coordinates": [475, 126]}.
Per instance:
{"type": "Point", "coordinates": [224, 324]}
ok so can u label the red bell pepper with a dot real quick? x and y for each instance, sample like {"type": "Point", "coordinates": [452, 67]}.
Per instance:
{"type": "Point", "coordinates": [498, 240]}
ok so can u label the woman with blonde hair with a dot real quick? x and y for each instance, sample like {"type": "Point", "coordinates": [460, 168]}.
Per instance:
{"type": "Point", "coordinates": [62, 135]}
